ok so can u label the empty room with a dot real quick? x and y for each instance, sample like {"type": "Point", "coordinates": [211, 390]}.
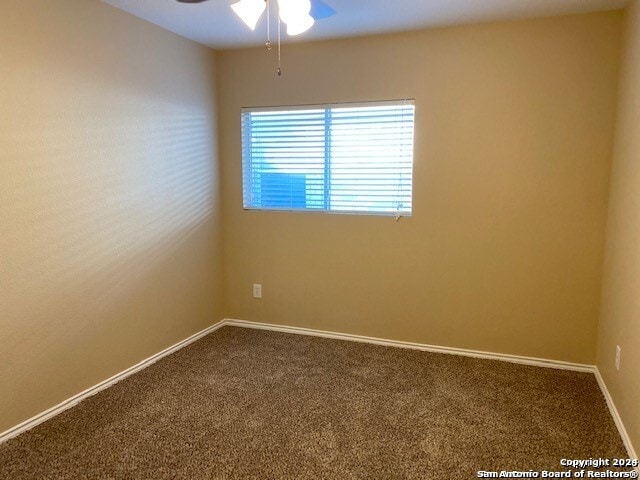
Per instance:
{"type": "Point", "coordinates": [319, 239]}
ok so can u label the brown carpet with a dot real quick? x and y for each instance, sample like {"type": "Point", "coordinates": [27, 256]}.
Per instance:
{"type": "Point", "coordinates": [263, 405]}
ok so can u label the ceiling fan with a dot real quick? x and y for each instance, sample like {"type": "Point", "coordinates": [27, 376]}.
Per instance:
{"type": "Point", "coordinates": [298, 15]}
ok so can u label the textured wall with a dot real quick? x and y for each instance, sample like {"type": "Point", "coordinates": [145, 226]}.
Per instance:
{"type": "Point", "coordinates": [620, 318]}
{"type": "Point", "coordinates": [514, 132]}
{"type": "Point", "coordinates": [109, 224]}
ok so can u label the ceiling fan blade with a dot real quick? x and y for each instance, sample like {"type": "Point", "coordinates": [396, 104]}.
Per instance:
{"type": "Point", "coordinates": [191, 1]}
{"type": "Point", "coordinates": [320, 10]}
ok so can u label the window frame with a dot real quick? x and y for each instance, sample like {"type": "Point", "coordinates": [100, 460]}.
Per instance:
{"type": "Point", "coordinates": [327, 107]}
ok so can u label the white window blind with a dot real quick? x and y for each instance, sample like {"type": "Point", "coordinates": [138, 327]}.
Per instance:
{"type": "Point", "coordinates": [343, 158]}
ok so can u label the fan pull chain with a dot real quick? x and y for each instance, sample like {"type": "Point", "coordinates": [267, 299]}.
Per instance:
{"type": "Point", "coordinates": [268, 44]}
{"type": "Point", "coordinates": [279, 62]}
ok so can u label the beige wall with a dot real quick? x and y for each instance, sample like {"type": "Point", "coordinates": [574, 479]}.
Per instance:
{"type": "Point", "coordinates": [503, 253]}
{"type": "Point", "coordinates": [620, 317]}
{"type": "Point", "coordinates": [109, 211]}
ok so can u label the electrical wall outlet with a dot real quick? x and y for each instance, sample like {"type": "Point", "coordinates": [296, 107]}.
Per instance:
{"type": "Point", "coordinates": [257, 290]}
{"type": "Point", "coordinates": [618, 353]}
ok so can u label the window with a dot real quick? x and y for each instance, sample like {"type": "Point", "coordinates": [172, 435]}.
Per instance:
{"type": "Point", "coordinates": [341, 158]}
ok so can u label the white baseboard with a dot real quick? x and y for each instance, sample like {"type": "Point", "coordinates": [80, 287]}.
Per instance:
{"type": "Point", "coordinates": [61, 407]}
{"type": "Point", "coordinates": [538, 362]}
{"type": "Point", "coordinates": [616, 416]}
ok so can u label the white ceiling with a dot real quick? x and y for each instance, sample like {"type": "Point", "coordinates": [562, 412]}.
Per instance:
{"type": "Point", "coordinates": [214, 24]}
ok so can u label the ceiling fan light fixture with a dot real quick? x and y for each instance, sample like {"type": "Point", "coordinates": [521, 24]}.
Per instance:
{"type": "Point", "coordinates": [300, 25]}
{"type": "Point", "coordinates": [296, 15]}
{"type": "Point", "coordinates": [249, 11]}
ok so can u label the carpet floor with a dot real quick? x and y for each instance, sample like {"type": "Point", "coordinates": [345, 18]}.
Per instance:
{"type": "Point", "coordinates": [249, 404]}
